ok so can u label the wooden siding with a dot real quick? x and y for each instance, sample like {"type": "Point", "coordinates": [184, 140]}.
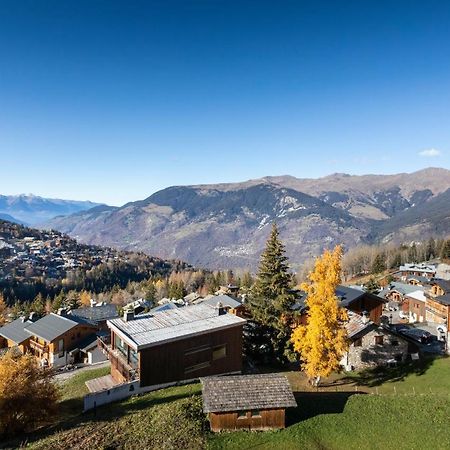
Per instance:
{"type": "Point", "coordinates": [266, 420]}
{"type": "Point", "coordinates": [168, 362]}
{"type": "Point", "coordinates": [370, 303]}
{"type": "Point", "coordinates": [436, 312]}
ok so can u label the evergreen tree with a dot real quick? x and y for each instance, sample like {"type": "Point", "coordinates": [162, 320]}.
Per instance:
{"type": "Point", "coordinates": [372, 286]}
{"type": "Point", "coordinates": [270, 304]}
{"type": "Point", "coordinates": [379, 264]}
{"type": "Point", "coordinates": [430, 251]}
{"type": "Point", "coordinates": [445, 252]}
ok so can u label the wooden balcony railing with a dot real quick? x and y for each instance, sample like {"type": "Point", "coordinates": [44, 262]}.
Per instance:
{"type": "Point", "coordinates": [34, 345]}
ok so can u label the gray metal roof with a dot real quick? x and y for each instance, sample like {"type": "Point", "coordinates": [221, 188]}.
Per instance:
{"type": "Point", "coordinates": [443, 299]}
{"type": "Point", "coordinates": [96, 314]}
{"type": "Point", "coordinates": [15, 331]}
{"type": "Point", "coordinates": [147, 330]}
{"type": "Point", "coordinates": [246, 392]}
{"type": "Point", "coordinates": [226, 300]}
{"type": "Point", "coordinates": [402, 288]}
{"type": "Point", "coordinates": [52, 326]}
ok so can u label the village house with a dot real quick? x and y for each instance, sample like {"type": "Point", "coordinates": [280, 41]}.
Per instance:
{"type": "Point", "coordinates": [396, 291]}
{"type": "Point", "coordinates": [371, 345]}
{"type": "Point", "coordinates": [173, 345]}
{"type": "Point", "coordinates": [13, 334]}
{"type": "Point", "coordinates": [408, 270]}
{"type": "Point", "coordinates": [354, 300]}
{"type": "Point", "coordinates": [438, 302]}
{"type": "Point", "coordinates": [247, 402]}
{"type": "Point", "coordinates": [96, 315]}
{"type": "Point", "coordinates": [230, 304]}
{"type": "Point", "coordinates": [54, 337]}
{"type": "Point", "coordinates": [414, 305]}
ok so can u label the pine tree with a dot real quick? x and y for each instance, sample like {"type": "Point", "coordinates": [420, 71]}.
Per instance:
{"type": "Point", "coordinates": [322, 342]}
{"type": "Point", "coordinates": [445, 252]}
{"type": "Point", "coordinates": [270, 304]}
{"type": "Point", "coordinates": [431, 249]}
{"type": "Point", "coordinates": [372, 286]}
{"type": "Point", "coordinates": [3, 310]}
{"type": "Point", "coordinates": [379, 264]}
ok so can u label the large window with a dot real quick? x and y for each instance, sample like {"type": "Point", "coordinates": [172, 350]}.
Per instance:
{"type": "Point", "coordinates": [197, 367]}
{"type": "Point", "coordinates": [219, 352]}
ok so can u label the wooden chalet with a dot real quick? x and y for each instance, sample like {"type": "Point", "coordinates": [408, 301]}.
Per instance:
{"type": "Point", "coordinates": [414, 305]}
{"type": "Point", "coordinates": [438, 302]}
{"type": "Point", "coordinates": [354, 300]}
{"type": "Point", "coordinates": [55, 336]}
{"type": "Point", "coordinates": [247, 402]}
{"type": "Point", "coordinates": [96, 315]}
{"type": "Point", "coordinates": [13, 334]}
{"type": "Point", "coordinates": [173, 345]}
{"type": "Point", "coordinates": [414, 270]}
{"type": "Point", "coordinates": [230, 304]}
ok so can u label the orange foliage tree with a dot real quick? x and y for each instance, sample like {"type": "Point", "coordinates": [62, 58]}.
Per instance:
{"type": "Point", "coordinates": [28, 395]}
{"type": "Point", "coordinates": [322, 342]}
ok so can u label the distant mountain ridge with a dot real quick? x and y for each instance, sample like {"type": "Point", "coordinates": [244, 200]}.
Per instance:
{"type": "Point", "coordinates": [226, 225]}
{"type": "Point", "coordinates": [32, 209]}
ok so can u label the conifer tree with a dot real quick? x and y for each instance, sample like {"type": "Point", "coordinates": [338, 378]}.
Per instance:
{"type": "Point", "coordinates": [270, 304]}
{"type": "Point", "coordinates": [372, 286]}
{"type": "Point", "coordinates": [322, 342]}
{"type": "Point", "coordinates": [445, 252]}
{"type": "Point", "coordinates": [3, 310]}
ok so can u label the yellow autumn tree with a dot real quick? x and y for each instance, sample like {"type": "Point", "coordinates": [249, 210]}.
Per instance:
{"type": "Point", "coordinates": [322, 342]}
{"type": "Point", "coordinates": [85, 298]}
{"type": "Point", "coordinates": [3, 310]}
{"type": "Point", "coordinates": [28, 395]}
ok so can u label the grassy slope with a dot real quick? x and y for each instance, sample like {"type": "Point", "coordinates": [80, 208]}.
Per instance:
{"type": "Point", "coordinates": [324, 420]}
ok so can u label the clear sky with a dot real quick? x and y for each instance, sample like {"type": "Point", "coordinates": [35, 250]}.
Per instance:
{"type": "Point", "coordinates": [113, 100]}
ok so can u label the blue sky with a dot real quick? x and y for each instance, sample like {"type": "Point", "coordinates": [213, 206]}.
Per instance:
{"type": "Point", "coordinates": [111, 101]}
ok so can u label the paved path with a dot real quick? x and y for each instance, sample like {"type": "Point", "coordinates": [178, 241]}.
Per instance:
{"type": "Point", "coordinates": [63, 376]}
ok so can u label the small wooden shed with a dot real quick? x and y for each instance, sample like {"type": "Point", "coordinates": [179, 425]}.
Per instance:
{"type": "Point", "coordinates": [247, 402]}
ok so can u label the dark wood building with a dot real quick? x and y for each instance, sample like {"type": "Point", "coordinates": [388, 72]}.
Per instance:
{"type": "Point", "coordinates": [247, 402]}
{"type": "Point", "coordinates": [178, 344]}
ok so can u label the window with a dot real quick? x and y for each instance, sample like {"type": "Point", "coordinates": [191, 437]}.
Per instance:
{"type": "Point", "coordinates": [358, 343]}
{"type": "Point", "coordinates": [242, 414]}
{"type": "Point", "coordinates": [256, 413]}
{"type": "Point", "coordinates": [379, 340]}
{"type": "Point", "coordinates": [61, 347]}
{"type": "Point", "coordinates": [194, 350]}
{"type": "Point", "coordinates": [219, 352]}
{"type": "Point", "coordinates": [197, 367]}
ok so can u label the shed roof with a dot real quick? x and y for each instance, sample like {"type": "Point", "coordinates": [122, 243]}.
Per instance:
{"type": "Point", "coordinates": [52, 326]}
{"type": "Point", "coordinates": [15, 331]}
{"type": "Point", "coordinates": [147, 330]}
{"type": "Point", "coordinates": [246, 392]}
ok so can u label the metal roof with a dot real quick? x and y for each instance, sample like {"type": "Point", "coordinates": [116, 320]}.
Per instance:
{"type": "Point", "coordinates": [443, 299]}
{"type": "Point", "coordinates": [52, 326]}
{"type": "Point", "coordinates": [246, 392]}
{"type": "Point", "coordinates": [147, 330]}
{"type": "Point", "coordinates": [96, 314]}
{"type": "Point", "coordinates": [15, 331]}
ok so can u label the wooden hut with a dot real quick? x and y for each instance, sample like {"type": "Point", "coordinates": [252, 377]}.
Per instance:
{"type": "Point", "coordinates": [247, 402]}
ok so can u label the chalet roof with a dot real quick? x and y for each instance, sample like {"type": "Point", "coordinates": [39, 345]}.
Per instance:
{"type": "Point", "coordinates": [96, 314]}
{"type": "Point", "coordinates": [52, 326]}
{"type": "Point", "coordinates": [164, 307]}
{"type": "Point", "coordinates": [226, 300]}
{"type": "Point", "coordinates": [246, 392]}
{"type": "Point", "coordinates": [356, 325]}
{"type": "Point", "coordinates": [444, 284]}
{"type": "Point", "coordinates": [419, 278]}
{"type": "Point", "coordinates": [151, 329]}
{"type": "Point", "coordinates": [402, 288]}
{"type": "Point", "coordinates": [418, 295]}
{"type": "Point", "coordinates": [443, 299]}
{"type": "Point", "coordinates": [424, 268]}
{"type": "Point", "coordinates": [15, 331]}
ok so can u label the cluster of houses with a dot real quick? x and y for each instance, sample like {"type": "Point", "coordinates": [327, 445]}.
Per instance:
{"type": "Point", "coordinates": [420, 295]}
{"type": "Point", "coordinates": [45, 254]}
{"type": "Point", "coordinates": [201, 338]}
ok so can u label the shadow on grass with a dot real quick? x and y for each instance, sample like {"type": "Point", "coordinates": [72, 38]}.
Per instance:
{"type": "Point", "coordinates": [379, 375]}
{"type": "Point", "coordinates": [311, 404]}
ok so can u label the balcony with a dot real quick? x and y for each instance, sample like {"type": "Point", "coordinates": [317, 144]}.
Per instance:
{"type": "Point", "coordinates": [37, 347]}
{"type": "Point", "coordinates": [117, 359]}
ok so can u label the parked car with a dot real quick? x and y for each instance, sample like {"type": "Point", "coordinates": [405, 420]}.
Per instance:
{"type": "Point", "coordinates": [441, 328]}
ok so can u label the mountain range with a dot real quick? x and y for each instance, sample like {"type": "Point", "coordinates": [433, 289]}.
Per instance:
{"type": "Point", "coordinates": [32, 209]}
{"type": "Point", "coordinates": [226, 225]}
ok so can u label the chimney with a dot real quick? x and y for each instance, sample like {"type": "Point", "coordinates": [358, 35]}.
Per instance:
{"type": "Point", "coordinates": [62, 311]}
{"type": "Point", "coordinates": [365, 317]}
{"type": "Point", "coordinates": [221, 309]}
{"type": "Point", "coordinates": [32, 316]}
{"type": "Point", "coordinates": [128, 315]}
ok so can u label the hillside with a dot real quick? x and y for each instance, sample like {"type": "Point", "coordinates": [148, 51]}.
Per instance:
{"type": "Point", "coordinates": [226, 225]}
{"type": "Point", "coordinates": [31, 209]}
{"type": "Point", "coordinates": [34, 261]}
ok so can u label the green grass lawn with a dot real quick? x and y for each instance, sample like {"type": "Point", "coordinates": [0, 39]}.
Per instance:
{"type": "Point", "coordinates": [334, 418]}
